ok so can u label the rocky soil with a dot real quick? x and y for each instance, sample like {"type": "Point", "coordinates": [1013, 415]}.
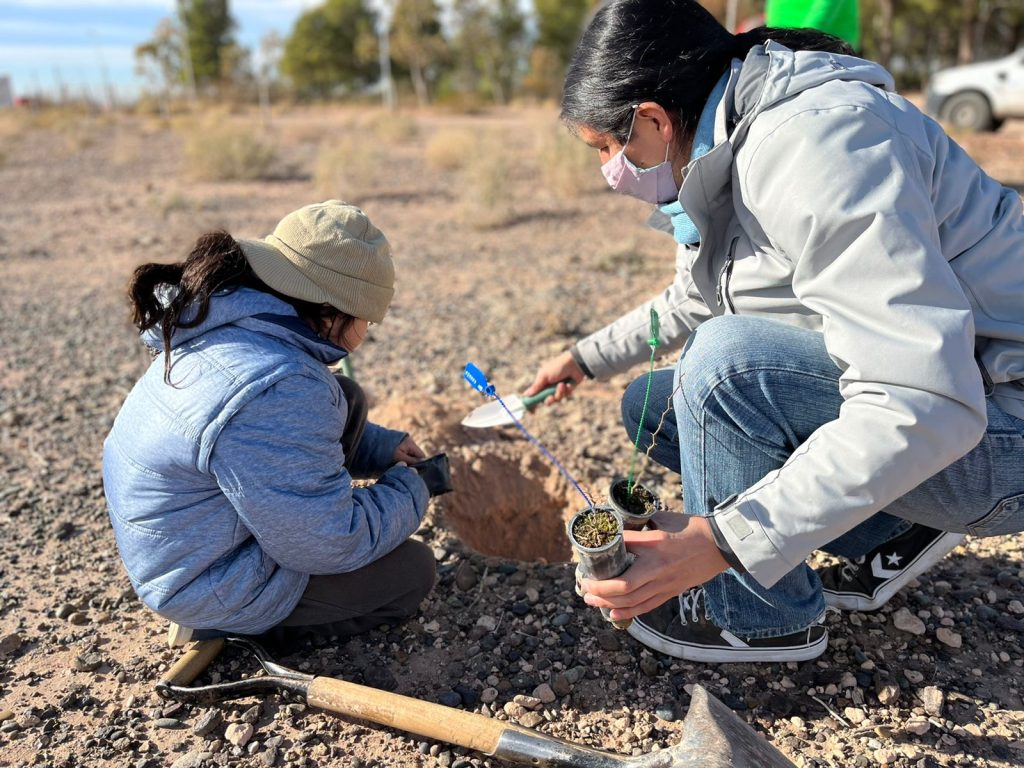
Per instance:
{"type": "Point", "coordinates": [935, 678]}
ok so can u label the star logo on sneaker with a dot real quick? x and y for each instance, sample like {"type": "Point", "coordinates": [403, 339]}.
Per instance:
{"type": "Point", "coordinates": [879, 571]}
{"type": "Point", "coordinates": [894, 559]}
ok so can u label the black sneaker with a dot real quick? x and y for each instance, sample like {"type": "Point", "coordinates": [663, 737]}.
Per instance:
{"type": "Point", "coordinates": [867, 583]}
{"type": "Point", "coordinates": [680, 628]}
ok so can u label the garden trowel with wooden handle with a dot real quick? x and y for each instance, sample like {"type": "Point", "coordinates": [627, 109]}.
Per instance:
{"type": "Point", "coordinates": [713, 736]}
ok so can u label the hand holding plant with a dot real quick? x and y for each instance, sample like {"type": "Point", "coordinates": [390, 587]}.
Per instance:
{"type": "Point", "coordinates": [681, 553]}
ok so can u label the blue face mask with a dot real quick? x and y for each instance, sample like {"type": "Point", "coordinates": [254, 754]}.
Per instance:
{"type": "Point", "coordinates": [653, 185]}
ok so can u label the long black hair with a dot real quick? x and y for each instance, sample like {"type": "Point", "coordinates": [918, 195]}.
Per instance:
{"type": "Point", "coordinates": [178, 295]}
{"type": "Point", "coordinates": [668, 51]}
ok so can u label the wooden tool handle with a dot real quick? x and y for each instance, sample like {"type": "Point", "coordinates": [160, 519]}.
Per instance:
{"type": "Point", "coordinates": [432, 721]}
{"type": "Point", "coordinates": [193, 662]}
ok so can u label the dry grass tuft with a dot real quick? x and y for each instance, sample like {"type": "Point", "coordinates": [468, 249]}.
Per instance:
{"type": "Point", "coordinates": [347, 170]}
{"type": "Point", "coordinates": [224, 151]}
{"type": "Point", "coordinates": [446, 150]}
{"type": "Point", "coordinates": [390, 127]}
{"type": "Point", "coordinates": [485, 200]}
{"type": "Point", "coordinates": [568, 167]}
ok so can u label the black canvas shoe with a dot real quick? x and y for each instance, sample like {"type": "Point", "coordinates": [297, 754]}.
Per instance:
{"type": "Point", "coordinates": [680, 628]}
{"type": "Point", "coordinates": [867, 583]}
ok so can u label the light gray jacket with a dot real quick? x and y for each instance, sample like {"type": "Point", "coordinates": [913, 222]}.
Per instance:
{"type": "Point", "coordinates": [831, 203]}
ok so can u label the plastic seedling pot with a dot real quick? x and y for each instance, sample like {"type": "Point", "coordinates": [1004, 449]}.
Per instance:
{"type": "Point", "coordinates": [636, 508]}
{"type": "Point", "coordinates": [602, 553]}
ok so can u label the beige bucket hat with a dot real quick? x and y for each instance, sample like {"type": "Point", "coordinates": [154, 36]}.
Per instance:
{"type": "Point", "coordinates": [328, 253]}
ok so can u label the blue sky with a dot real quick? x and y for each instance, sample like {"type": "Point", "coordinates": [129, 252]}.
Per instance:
{"type": "Point", "coordinates": [43, 42]}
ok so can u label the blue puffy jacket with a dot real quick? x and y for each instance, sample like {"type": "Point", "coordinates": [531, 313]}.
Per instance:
{"type": "Point", "coordinates": [227, 489]}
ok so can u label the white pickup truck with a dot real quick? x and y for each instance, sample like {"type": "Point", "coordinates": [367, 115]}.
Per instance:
{"type": "Point", "coordinates": [978, 97]}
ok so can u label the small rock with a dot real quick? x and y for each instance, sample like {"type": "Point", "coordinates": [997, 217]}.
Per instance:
{"type": "Point", "coordinates": [88, 662]}
{"type": "Point", "coordinates": [528, 702]}
{"type": "Point", "coordinates": [946, 636]}
{"type": "Point", "coordinates": [667, 712]}
{"type": "Point", "coordinates": [608, 641]}
{"type": "Point", "coordinates": [1015, 607]}
{"type": "Point", "coordinates": [889, 694]}
{"type": "Point", "coordinates": [6, 715]}
{"type": "Point", "coordinates": [208, 721]}
{"type": "Point", "coordinates": [78, 619]}
{"type": "Point", "coordinates": [65, 610]}
{"type": "Point", "coordinates": [268, 757]}
{"type": "Point", "coordinates": [465, 576]}
{"type": "Point", "coordinates": [934, 700]}
{"type": "Point", "coordinates": [9, 644]}
{"type": "Point", "coordinates": [854, 715]}
{"type": "Point", "coordinates": [531, 719]}
{"type": "Point", "coordinates": [649, 666]}
{"type": "Point", "coordinates": [167, 723]}
{"type": "Point", "coordinates": [192, 760]}
{"type": "Point", "coordinates": [488, 695]}
{"type": "Point", "coordinates": [913, 676]}
{"type": "Point", "coordinates": [560, 685]}
{"type": "Point", "coordinates": [905, 621]}
{"type": "Point", "coordinates": [239, 734]}
{"type": "Point", "coordinates": [450, 699]}
{"type": "Point", "coordinates": [487, 622]}
{"type": "Point", "coordinates": [513, 710]}
{"type": "Point", "coordinates": [545, 693]}
{"type": "Point", "coordinates": [885, 756]}
{"type": "Point", "coordinates": [918, 726]}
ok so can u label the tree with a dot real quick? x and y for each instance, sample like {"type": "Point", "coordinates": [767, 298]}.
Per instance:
{"type": "Point", "coordinates": [159, 59]}
{"type": "Point", "coordinates": [331, 47]}
{"type": "Point", "coordinates": [207, 26]}
{"type": "Point", "coordinates": [417, 43]}
{"type": "Point", "coordinates": [489, 47]}
{"type": "Point", "coordinates": [559, 26]}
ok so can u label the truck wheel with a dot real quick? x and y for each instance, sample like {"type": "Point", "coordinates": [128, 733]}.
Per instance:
{"type": "Point", "coordinates": [968, 111]}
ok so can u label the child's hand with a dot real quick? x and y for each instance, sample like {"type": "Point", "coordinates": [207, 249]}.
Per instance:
{"type": "Point", "coordinates": [408, 452]}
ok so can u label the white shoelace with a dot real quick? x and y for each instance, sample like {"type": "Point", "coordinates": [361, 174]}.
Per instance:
{"type": "Point", "coordinates": [848, 570]}
{"type": "Point", "coordinates": [688, 603]}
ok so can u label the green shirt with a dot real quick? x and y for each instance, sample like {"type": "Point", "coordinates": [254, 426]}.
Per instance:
{"type": "Point", "coordinates": [837, 17]}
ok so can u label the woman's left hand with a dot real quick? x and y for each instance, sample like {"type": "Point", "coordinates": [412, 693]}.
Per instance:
{"type": "Point", "coordinates": [679, 555]}
{"type": "Point", "coordinates": [408, 452]}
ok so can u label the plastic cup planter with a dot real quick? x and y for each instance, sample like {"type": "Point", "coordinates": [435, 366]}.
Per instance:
{"type": "Point", "coordinates": [636, 508]}
{"type": "Point", "coordinates": [596, 538]}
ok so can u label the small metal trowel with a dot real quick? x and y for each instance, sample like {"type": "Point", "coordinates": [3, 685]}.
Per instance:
{"type": "Point", "coordinates": [493, 415]}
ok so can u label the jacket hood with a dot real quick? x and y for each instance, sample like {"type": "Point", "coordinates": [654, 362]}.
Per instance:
{"type": "Point", "coordinates": [254, 311]}
{"type": "Point", "coordinates": [772, 73]}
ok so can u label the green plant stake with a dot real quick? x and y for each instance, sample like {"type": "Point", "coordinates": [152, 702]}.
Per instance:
{"type": "Point", "coordinates": [654, 342]}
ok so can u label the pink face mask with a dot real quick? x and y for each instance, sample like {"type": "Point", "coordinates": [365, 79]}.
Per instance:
{"type": "Point", "coordinates": [653, 185]}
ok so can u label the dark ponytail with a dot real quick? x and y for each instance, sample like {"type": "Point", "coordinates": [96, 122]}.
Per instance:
{"type": "Point", "coordinates": [668, 51]}
{"type": "Point", "coordinates": [171, 296]}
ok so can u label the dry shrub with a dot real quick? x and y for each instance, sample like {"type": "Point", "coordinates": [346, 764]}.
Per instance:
{"type": "Point", "coordinates": [390, 127]}
{"type": "Point", "coordinates": [347, 169]}
{"type": "Point", "coordinates": [568, 167]}
{"type": "Point", "coordinates": [624, 259]}
{"type": "Point", "coordinates": [486, 198]}
{"type": "Point", "coordinates": [446, 150]}
{"type": "Point", "coordinates": [222, 151]}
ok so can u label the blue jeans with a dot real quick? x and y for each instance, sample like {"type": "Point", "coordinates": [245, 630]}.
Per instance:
{"type": "Point", "coordinates": [740, 422]}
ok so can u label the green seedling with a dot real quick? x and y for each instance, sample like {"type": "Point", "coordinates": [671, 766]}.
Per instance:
{"type": "Point", "coordinates": [595, 528]}
{"type": "Point", "coordinates": [654, 342]}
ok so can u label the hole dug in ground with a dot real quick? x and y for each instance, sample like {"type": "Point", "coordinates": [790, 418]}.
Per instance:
{"type": "Point", "coordinates": [508, 501]}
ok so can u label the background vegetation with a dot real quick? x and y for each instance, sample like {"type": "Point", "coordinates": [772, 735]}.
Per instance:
{"type": "Point", "coordinates": [467, 53]}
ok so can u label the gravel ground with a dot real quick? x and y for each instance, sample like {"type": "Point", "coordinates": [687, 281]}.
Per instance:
{"type": "Point", "coordinates": [935, 678]}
